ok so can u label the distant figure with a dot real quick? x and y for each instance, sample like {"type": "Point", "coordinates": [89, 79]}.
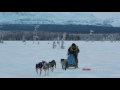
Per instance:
{"type": "Point", "coordinates": [73, 49]}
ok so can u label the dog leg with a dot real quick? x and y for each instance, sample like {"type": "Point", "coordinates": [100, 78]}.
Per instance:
{"type": "Point", "coordinates": [40, 71]}
{"type": "Point", "coordinates": [48, 72]}
{"type": "Point", "coordinates": [52, 69]}
{"type": "Point", "coordinates": [37, 70]}
{"type": "Point", "coordinates": [45, 72]}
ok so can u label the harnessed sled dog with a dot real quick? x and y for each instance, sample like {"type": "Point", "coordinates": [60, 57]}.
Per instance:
{"type": "Point", "coordinates": [52, 64]}
{"type": "Point", "coordinates": [46, 67]}
{"type": "Point", "coordinates": [42, 65]}
{"type": "Point", "coordinates": [39, 66]}
{"type": "Point", "coordinates": [64, 63]}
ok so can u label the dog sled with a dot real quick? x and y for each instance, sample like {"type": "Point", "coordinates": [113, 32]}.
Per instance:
{"type": "Point", "coordinates": [70, 62]}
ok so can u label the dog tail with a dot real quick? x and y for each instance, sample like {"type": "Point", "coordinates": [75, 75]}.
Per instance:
{"type": "Point", "coordinates": [55, 64]}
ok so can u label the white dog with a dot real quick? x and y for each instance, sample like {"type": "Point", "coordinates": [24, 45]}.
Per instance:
{"type": "Point", "coordinates": [46, 67]}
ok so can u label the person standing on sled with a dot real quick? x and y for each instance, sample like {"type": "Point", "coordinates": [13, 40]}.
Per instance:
{"type": "Point", "coordinates": [73, 49]}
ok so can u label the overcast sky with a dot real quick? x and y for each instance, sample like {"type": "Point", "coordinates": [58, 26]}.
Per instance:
{"type": "Point", "coordinates": [104, 15]}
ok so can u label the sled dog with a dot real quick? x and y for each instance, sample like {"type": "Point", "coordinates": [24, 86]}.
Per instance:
{"type": "Point", "coordinates": [52, 64]}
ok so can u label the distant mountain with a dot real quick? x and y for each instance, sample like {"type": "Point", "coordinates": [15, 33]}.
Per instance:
{"type": "Point", "coordinates": [113, 21]}
{"type": "Point", "coordinates": [73, 22]}
{"type": "Point", "coordinates": [62, 18]}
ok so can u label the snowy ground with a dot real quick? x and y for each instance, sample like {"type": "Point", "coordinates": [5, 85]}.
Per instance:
{"type": "Point", "coordinates": [17, 60]}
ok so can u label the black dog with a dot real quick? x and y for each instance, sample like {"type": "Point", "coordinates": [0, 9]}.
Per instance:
{"type": "Point", "coordinates": [52, 64]}
{"type": "Point", "coordinates": [39, 66]}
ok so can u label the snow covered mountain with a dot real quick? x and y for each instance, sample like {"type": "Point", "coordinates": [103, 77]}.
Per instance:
{"type": "Point", "coordinates": [114, 21]}
{"type": "Point", "coordinates": [62, 18]}
{"type": "Point", "coordinates": [49, 18]}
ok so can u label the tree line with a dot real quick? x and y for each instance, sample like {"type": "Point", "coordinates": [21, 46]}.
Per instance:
{"type": "Point", "coordinates": [49, 35]}
{"type": "Point", "coordinates": [61, 28]}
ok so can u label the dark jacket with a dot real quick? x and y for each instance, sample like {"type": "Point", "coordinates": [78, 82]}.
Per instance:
{"type": "Point", "coordinates": [73, 50]}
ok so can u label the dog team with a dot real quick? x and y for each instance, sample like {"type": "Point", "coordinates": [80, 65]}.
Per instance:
{"type": "Point", "coordinates": [45, 66]}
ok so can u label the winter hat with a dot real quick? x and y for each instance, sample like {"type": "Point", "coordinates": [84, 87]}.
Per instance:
{"type": "Point", "coordinates": [73, 44]}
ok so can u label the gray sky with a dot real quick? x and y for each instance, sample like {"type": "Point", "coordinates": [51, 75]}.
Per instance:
{"type": "Point", "coordinates": [104, 15]}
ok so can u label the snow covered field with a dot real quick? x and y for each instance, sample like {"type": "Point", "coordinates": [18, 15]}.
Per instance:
{"type": "Point", "coordinates": [17, 60]}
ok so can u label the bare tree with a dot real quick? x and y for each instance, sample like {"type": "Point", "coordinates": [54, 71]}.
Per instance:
{"type": "Point", "coordinates": [1, 37]}
{"type": "Point", "coordinates": [35, 36]}
{"type": "Point", "coordinates": [62, 44]}
{"type": "Point", "coordinates": [63, 38]}
{"type": "Point", "coordinates": [90, 35]}
{"type": "Point", "coordinates": [54, 44]}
